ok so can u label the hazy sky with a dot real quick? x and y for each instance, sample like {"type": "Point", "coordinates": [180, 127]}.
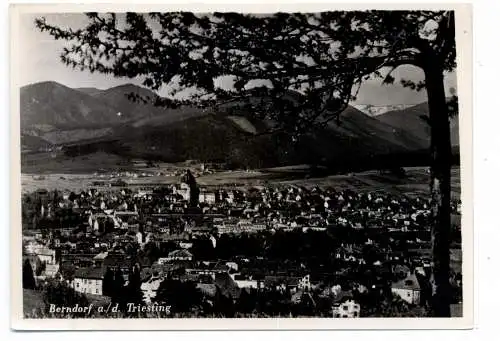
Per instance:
{"type": "Point", "coordinates": [39, 57]}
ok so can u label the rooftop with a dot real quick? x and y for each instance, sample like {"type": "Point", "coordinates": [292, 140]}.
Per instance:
{"type": "Point", "coordinates": [101, 256]}
{"type": "Point", "coordinates": [90, 273]}
{"type": "Point", "coordinates": [409, 283]}
{"type": "Point", "coordinates": [180, 253]}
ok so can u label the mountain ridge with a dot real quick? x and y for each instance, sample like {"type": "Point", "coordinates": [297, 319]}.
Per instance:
{"type": "Point", "coordinates": [107, 119]}
{"type": "Point", "coordinates": [412, 120]}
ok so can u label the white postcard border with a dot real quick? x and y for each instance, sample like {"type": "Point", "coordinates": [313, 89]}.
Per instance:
{"type": "Point", "coordinates": [464, 82]}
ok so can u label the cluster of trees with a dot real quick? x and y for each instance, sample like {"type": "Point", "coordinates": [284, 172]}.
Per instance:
{"type": "Point", "coordinates": [29, 281]}
{"type": "Point", "coordinates": [60, 217]}
{"type": "Point", "coordinates": [61, 295]}
{"type": "Point", "coordinates": [183, 297]}
{"type": "Point", "coordinates": [121, 292]}
{"type": "Point", "coordinates": [272, 303]}
{"type": "Point", "coordinates": [295, 245]}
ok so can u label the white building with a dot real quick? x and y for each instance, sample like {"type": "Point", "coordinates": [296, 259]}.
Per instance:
{"type": "Point", "coordinates": [139, 238]}
{"type": "Point", "coordinates": [408, 289]}
{"type": "Point", "coordinates": [230, 197]}
{"type": "Point", "coordinates": [184, 191]}
{"type": "Point", "coordinates": [347, 309]}
{"type": "Point", "coordinates": [46, 255]}
{"type": "Point", "coordinates": [232, 265]}
{"type": "Point", "coordinates": [247, 283]}
{"type": "Point", "coordinates": [51, 270]}
{"type": "Point", "coordinates": [245, 225]}
{"type": "Point", "coordinates": [33, 246]}
{"type": "Point", "coordinates": [176, 255]}
{"type": "Point", "coordinates": [305, 283]}
{"type": "Point", "coordinates": [185, 245]}
{"type": "Point", "coordinates": [207, 197]}
{"type": "Point", "coordinates": [88, 280]}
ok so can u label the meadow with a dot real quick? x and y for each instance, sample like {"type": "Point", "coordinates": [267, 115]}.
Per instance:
{"type": "Point", "coordinates": [415, 181]}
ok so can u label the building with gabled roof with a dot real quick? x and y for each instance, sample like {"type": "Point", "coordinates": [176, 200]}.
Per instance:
{"type": "Point", "coordinates": [182, 254]}
{"type": "Point", "coordinates": [89, 280]}
{"type": "Point", "coordinates": [408, 289]}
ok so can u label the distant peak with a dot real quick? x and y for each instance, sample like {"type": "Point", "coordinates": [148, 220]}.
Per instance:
{"type": "Point", "coordinates": [45, 83]}
{"type": "Point", "coordinates": [128, 85]}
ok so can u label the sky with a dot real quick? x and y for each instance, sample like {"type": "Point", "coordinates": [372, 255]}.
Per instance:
{"type": "Point", "coordinates": [39, 56]}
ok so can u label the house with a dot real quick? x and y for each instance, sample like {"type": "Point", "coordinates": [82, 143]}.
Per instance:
{"type": "Point", "coordinates": [140, 238]}
{"type": "Point", "coordinates": [46, 255]}
{"type": "Point", "coordinates": [78, 259]}
{"type": "Point", "coordinates": [233, 266]}
{"type": "Point", "coordinates": [184, 191]}
{"type": "Point", "coordinates": [168, 269]}
{"type": "Point", "coordinates": [185, 245]}
{"type": "Point", "coordinates": [226, 227]}
{"type": "Point", "coordinates": [208, 268]}
{"type": "Point", "coordinates": [123, 216]}
{"type": "Point", "coordinates": [305, 283]}
{"type": "Point", "coordinates": [401, 271]}
{"type": "Point", "coordinates": [161, 238]}
{"type": "Point", "coordinates": [245, 225]}
{"type": "Point", "coordinates": [99, 258]}
{"type": "Point", "coordinates": [89, 280]}
{"type": "Point", "coordinates": [230, 197]}
{"type": "Point", "coordinates": [282, 283]}
{"type": "Point", "coordinates": [96, 221]}
{"type": "Point", "coordinates": [207, 197]}
{"type": "Point", "coordinates": [51, 270]}
{"type": "Point", "coordinates": [32, 246]}
{"type": "Point", "coordinates": [408, 289]}
{"type": "Point", "coordinates": [199, 230]}
{"type": "Point", "coordinates": [205, 284]}
{"type": "Point", "coordinates": [313, 228]}
{"type": "Point", "coordinates": [347, 308]}
{"type": "Point", "coordinates": [119, 261]}
{"type": "Point", "coordinates": [243, 281]}
{"type": "Point", "coordinates": [182, 254]}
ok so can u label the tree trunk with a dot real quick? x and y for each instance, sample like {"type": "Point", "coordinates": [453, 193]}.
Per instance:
{"type": "Point", "coordinates": [440, 188]}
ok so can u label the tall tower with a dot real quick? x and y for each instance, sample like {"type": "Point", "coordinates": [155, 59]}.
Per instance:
{"type": "Point", "coordinates": [194, 191]}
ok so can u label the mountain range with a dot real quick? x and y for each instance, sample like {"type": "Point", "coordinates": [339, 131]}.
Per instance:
{"type": "Point", "coordinates": [375, 110]}
{"type": "Point", "coordinates": [87, 120]}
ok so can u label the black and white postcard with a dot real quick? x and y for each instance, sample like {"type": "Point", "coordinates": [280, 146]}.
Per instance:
{"type": "Point", "coordinates": [241, 167]}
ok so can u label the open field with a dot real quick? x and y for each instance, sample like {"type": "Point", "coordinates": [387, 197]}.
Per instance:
{"type": "Point", "coordinates": [56, 162]}
{"type": "Point", "coordinates": [416, 180]}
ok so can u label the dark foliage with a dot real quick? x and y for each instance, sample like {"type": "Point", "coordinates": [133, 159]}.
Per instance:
{"type": "Point", "coordinates": [61, 295]}
{"type": "Point", "coordinates": [181, 296]}
{"type": "Point", "coordinates": [28, 276]}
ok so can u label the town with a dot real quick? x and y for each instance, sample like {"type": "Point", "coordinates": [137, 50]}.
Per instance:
{"type": "Point", "coordinates": [222, 251]}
